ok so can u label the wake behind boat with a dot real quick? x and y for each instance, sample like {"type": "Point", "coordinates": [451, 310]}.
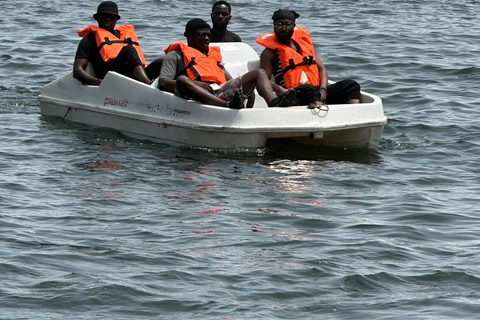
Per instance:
{"type": "Point", "coordinates": [144, 112]}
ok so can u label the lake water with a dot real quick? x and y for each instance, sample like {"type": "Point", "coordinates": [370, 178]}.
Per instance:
{"type": "Point", "coordinates": [98, 226]}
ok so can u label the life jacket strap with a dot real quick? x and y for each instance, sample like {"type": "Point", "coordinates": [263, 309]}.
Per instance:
{"type": "Point", "coordinates": [307, 61]}
{"type": "Point", "coordinates": [107, 41]}
{"type": "Point", "coordinates": [191, 65]}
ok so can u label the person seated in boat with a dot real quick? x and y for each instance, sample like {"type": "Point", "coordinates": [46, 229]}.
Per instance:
{"type": "Point", "coordinates": [195, 71]}
{"type": "Point", "coordinates": [221, 15]}
{"type": "Point", "coordinates": [108, 48]}
{"type": "Point", "coordinates": [290, 57]}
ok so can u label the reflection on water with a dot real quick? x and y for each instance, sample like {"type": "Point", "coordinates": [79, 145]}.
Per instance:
{"type": "Point", "coordinates": [276, 148]}
{"type": "Point", "coordinates": [292, 175]}
{"type": "Point", "coordinates": [287, 149]}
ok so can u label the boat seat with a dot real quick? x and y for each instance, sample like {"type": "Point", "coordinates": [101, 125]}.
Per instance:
{"type": "Point", "coordinates": [238, 57]}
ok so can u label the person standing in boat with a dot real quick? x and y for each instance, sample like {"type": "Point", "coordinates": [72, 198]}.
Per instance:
{"type": "Point", "coordinates": [221, 15]}
{"type": "Point", "coordinates": [108, 48]}
{"type": "Point", "coordinates": [195, 71]}
{"type": "Point", "coordinates": [290, 57]}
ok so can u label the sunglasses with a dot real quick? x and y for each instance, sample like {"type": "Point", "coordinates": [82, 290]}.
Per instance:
{"type": "Point", "coordinates": [280, 25]}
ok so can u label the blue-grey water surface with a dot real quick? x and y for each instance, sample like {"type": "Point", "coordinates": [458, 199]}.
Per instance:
{"type": "Point", "coordinates": [98, 226]}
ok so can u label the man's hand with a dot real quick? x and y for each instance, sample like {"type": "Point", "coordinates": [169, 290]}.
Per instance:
{"type": "Point", "coordinates": [323, 93]}
{"type": "Point", "coordinates": [203, 85]}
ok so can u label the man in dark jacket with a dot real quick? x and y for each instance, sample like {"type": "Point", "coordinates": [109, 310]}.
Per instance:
{"type": "Point", "coordinates": [221, 15]}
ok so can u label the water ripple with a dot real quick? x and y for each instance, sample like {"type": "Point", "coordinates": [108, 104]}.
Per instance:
{"type": "Point", "coordinates": [98, 226]}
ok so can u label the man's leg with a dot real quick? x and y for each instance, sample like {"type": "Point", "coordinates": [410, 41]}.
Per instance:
{"type": "Point", "coordinates": [188, 88]}
{"type": "Point", "coordinates": [345, 91]}
{"type": "Point", "coordinates": [309, 96]}
{"type": "Point", "coordinates": [153, 69]}
{"type": "Point", "coordinates": [259, 79]}
{"type": "Point", "coordinates": [128, 63]}
{"type": "Point", "coordinates": [139, 73]}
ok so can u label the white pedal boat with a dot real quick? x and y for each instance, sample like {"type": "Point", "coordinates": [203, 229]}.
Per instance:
{"type": "Point", "coordinates": [144, 112]}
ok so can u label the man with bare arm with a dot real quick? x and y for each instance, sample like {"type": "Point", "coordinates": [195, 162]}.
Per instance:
{"type": "Point", "coordinates": [195, 71]}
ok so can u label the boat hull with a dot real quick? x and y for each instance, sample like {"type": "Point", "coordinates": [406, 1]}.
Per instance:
{"type": "Point", "coordinates": [144, 112]}
{"type": "Point", "coordinates": [155, 130]}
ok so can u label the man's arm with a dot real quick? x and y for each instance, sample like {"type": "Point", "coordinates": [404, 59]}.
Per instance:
{"type": "Point", "coordinates": [267, 61]}
{"type": "Point", "coordinates": [82, 58]}
{"type": "Point", "coordinates": [168, 72]}
{"type": "Point", "coordinates": [80, 73]}
{"type": "Point", "coordinates": [322, 71]}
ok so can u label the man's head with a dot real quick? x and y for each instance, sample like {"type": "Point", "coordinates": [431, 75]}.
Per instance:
{"type": "Point", "coordinates": [284, 23]}
{"type": "Point", "coordinates": [198, 34]}
{"type": "Point", "coordinates": [107, 15]}
{"type": "Point", "coordinates": [221, 14]}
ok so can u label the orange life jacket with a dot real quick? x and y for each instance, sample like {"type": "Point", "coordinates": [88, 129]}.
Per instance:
{"type": "Point", "coordinates": [201, 67]}
{"type": "Point", "coordinates": [297, 68]}
{"type": "Point", "coordinates": [110, 45]}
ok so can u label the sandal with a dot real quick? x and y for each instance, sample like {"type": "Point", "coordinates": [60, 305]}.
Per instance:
{"type": "Point", "coordinates": [236, 102]}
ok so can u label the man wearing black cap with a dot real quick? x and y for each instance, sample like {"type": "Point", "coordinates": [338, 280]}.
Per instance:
{"type": "Point", "coordinates": [221, 15]}
{"type": "Point", "coordinates": [290, 57]}
{"type": "Point", "coordinates": [109, 48]}
{"type": "Point", "coordinates": [192, 70]}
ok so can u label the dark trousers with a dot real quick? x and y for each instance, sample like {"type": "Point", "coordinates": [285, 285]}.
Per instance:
{"type": "Point", "coordinates": [153, 69]}
{"type": "Point", "coordinates": [126, 61]}
{"type": "Point", "coordinates": [338, 93]}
